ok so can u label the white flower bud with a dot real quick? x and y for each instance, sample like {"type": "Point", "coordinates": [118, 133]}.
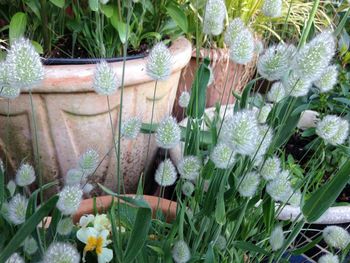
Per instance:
{"type": "Point", "coordinates": [328, 79]}
{"type": "Point", "coordinates": [65, 226]}
{"type": "Point", "coordinates": [277, 238]}
{"type": "Point", "coordinates": [222, 156]}
{"type": "Point", "coordinates": [88, 162]}
{"type": "Point", "coordinates": [7, 91]}
{"type": "Point", "coordinates": [158, 65]}
{"type": "Point", "coordinates": [336, 237]}
{"type": "Point", "coordinates": [69, 199]}
{"type": "Point", "coordinates": [276, 92]}
{"type": "Point", "coordinates": [168, 133]}
{"type": "Point", "coordinates": [59, 252]}
{"type": "Point", "coordinates": [187, 188]}
{"type": "Point", "coordinates": [272, 8]}
{"type": "Point", "coordinates": [215, 13]}
{"type": "Point", "coordinates": [15, 258]}
{"type": "Point", "coordinates": [25, 175]}
{"type": "Point", "coordinates": [184, 99]}
{"type": "Point", "coordinates": [181, 252]}
{"type": "Point", "coordinates": [166, 173]}
{"type": "Point", "coordinates": [271, 168]}
{"type": "Point", "coordinates": [328, 258]}
{"type": "Point", "coordinates": [75, 177]}
{"type": "Point", "coordinates": [30, 246]}
{"type": "Point", "coordinates": [131, 128]}
{"type": "Point", "coordinates": [242, 48]}
{"type": "Point", "coordinates": [233, 29]}
{"type": "Point", "coordinates": [333, 129]}
{"type": "Point", "coordinates": [106, 81]}
{"type": "Point", "coordinates": [248, 184]}
{"type": "Point", "coordinates": [295, 85]}
{"type": "Point", "coordinates": [17, 208]}
{"type": "Point", "coordinates": [189, 167]}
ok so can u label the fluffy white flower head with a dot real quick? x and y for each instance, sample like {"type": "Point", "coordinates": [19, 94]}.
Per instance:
{"type": "Point", "coordinates": [181, 252]}
{"type": "Point", "coordinates": [60, 252]}
{"type": "Point", "coordinates": [30, 246]}
{"type": "Point", "coordinates": [277, 238]}
{"type": "Point", "coordinates": [222, 156]}
{"type": "Point", "coordinates": [295, 85]}
{"type": "Point", "coordinates": [25, 175]}
{"type": "Point", "coordinates": [271, 168]}
{"type": "Point", "coordinates": [15, 258]}
{"type": "Point", "coordinates": [69, 199]}
{"type": "Point", "coordinates": [272, 8]}
{"type": "Point", "coordinates": [24, 65]}
{"type": "Point", "coordinates": [106, 81]}
{"type": "Point", "coordinates": [6, 90]}
{"type": "Point", "coordinates": [328, 79]}
{"type": "Point", "coordinates": [131, 128]}
{"type": "Point", "coordinates": [165, 173]}
{"type": "Point", "coordinates": [276, 92]}
{"type": "Point", "coordinates": [248, 184]}
{"type": "Point", "coordinates": [189, 167]}
{"type": "Point", "coordinates": [168, 133]}
{"type": "Point", "coordinates": [233, 29]}
{"type": "Point", "coordinates": [221, 243]}
{"type": "Point", "coordinates": [242, 48]}
{"type": "Point", "coordinates": [17, 208]}
{"type": "Point", "coordinates": [336, 237]}
{"type": "Point", "coordinates": [65, 226]}
{"type": "Point", "coordinates": [239, 132]}
{"type": "Point", "coordinates": [184, 99]}
{"type": "Point", "coordinates": [328, 258]}
{"type": "Point", "coordinates": [215, 13]}
{"type": "Point", "coordinates": [274, 63]}
{"type": "Point", "coordinates": [280, 188]}
{"type": "Point", "coordinates": [333, 129]}
{"type": "Point", "coordinates": [264, 112]}
{"type": "Point", "coordinates": [187, 188]}
{"type": "Point", "coordinates": [262, 141]}
{"type": "Point", "coordinates": [158, 65]}
{"type": "Point", "coordinates": [88, 162]}
{"type": "Point", "coordinates": [75, 177]}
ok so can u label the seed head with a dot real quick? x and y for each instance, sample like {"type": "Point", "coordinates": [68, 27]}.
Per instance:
{"type": "Point", "coordinates": [15, 258]}
{"type": "Point", "coordinates": [275, 61]}
{"type": "Point", "coordinates": [232, 31]}
{"type": "Point", "coordinates": [131, 128]}
{"type": "Point", "coordinates": [242, 48]}
{"type": "Point", "coordinates": [276, 93]}
{"type": "Point", "coordinates": [259, 47]}
{"type": "Point", "coordinates": [69, 199]}
{"type": "Point", "coordinates": [30, 246]}
{"type": "Point", "coordinates": [65, 226]}
{"type": "Point", "coordinates": [60, 252]}
{"type": "Point", "coordinates": [272, 8]}
{"type": "Point", "coordinates": [336, 237]}
{"type": "Point", "coordinates": [181, 252]}
{"type": "Point", "coordinates": [7, 91]}
{"type": "Point", "coordinates": [25, 175]}
{"type": "Point", "coordinates": [263, 140]}
{"type": "Point", "coordinates": [328, 79]}
{"type": "Point", "coordinates": [264, 112]}
{"type": "Point", "coordinates": [333, 129]}
{"type": "Point", "coordinates": [87, 188]}
{"type": "Point", "coordinates": [75, 177]}
{"type": "Point", "coordinates": [221, 243]}
{"type": "Point", "coordinates": [168, 133]}
{"type": "Point", "coordinates": [184, 99]}
{"type": "Point", "coordinates": [222, 156]}
{"type": "Point", "coordinates": [17, 209]}
{"type": "Point", "coordinates": [277, 238]}
{"type": "Point", "coordinates": [280, 189]}
{"type": "Point", "coordinates": [187, 188]}
{"type": "Point", "coordinates": [189, 167]}
{"type": "Point", "coordinates": [215, 13]}
{"type": "Point", "coordinates": [295, 199]}
{"type": "Point", "coordinates": [248, 184]}
{"type": "Point", "coordinates": [159, 61]}
{"type": "Point", "coordinates": [295, 85]}
{"type": "Point", "coordinates": [106, 81]}
{"type": "Point", "coordinates": [271, 168]}
{"type": "Point", "coordinates": [88, 162]}
{"type": "Point", "coordinates": [25, 69]}
{"type": "Point", "coordinates": [166, 173]}
{"type": "Point", "coordinates": [328, 258]}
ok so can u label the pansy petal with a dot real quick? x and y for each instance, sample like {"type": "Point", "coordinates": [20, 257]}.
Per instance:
{"type": "Point", "coordinates": [84, 233]}
{"type": "Point", "coordinates": [105, 256]}
{"type": "Point", "coordinates": [104, 234]}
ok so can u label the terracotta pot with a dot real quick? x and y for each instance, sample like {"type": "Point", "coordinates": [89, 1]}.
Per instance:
{"type": "Point", "coordinates": [104, 202]}
{"type": "Point", "coordinates": [71, 117]}
{"type": "Point", "coordinates": [224, 71]}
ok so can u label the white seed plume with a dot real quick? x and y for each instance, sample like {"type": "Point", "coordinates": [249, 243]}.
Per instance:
{"type": "Point", "coordinates": [7, 91]}
{"type": "Point", "coordinates": [271, 168]}
{"type": "Point", "coordinates": [189, 167]}
{"type": "Point", "coordinates": [131, 128]}
{"type": "Point", "coordinates": [215, 13]}
{"type": "Point", "coordinates": [159, 61]}
{"type": "Point", "coordinates": [60, 252]}
{"type": "Point", "coordinates": [248, 184]}
{"type": "Point", "coordinates": [221, 243]}
{"type": "Point", "coordinates": [166, 173]}
{"type": "Point", "coordinates": [280, 188]}
{"type": "Point", "coordinates": [15, 258]}
{"type": "Point", "coordinates": [75, 177]}
{"type": "Point", "coordinates": [233, 29]}
{"type": "Point", "coordinates": [264, 112]}
{"type": "Point", "coordinates": [276, 238]}
{"type": "Point", "coordinates": [69, 199]}
{"type": "Point", "coordinates": [259, 47]}
{"type": "Point", "coordinates": [187, 188]}
{"type": "Point", "coordinates": [336, 237]}
{"type": "Point", "coordinates": [65, 226]}
{"type": "Point", "coordinates": [333, 129]}
{"type": "Point", "coordinates": [184, 99]}
{"type": "Point", "coordinates": [87, 188]}
{"type": "Point", "coordinates": [24, 65]}
{"type": "Point", "coordinates": [295, 199]}
{"type": "Point", "coordinates": [242, 48]}
{"type": "Point", "coordinates": [17, 208]}
{"type": "Point", "coordinates": [295, 85]}
{"type": "Point", "coordinates": [328, 258]}
{"type": "Point", "coordinates": [272, 8]}
{"type": "Point", "coordinates": [30, 245]}
{"type": "Point", "coordinates": [25, 175]}
{"type": "Point", "coordinates": [312, 59]}
{"type": "Point", "coordinates": [168, 133]}
{"type": "Point", "coordinates": [222, 156]}
{"type": "Point", "coordinates": [275, 62]}
{"type": "Point", "coordinates": [88, 162]}
{"type": "Point", "coordinates": [239, 132]}
{"type": "Point", "coordinates": [276, 92]}
{"type": "Point", "coordinates": [106, 81]}
{"type": "Point", "coordinates": [181, 252]}
{"type": "Point", "coordinates": [328, 79]}
{"type": "Point", "coordinates": [263, 140]}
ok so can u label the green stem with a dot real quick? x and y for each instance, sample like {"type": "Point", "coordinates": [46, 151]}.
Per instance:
{"type": "Point", "coordinates": [45, 25]}
{"type": "Point", "coordinates": [307, 29]}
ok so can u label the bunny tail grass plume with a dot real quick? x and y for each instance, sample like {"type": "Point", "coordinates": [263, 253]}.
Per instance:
{"type": "Point", "coordinates": [30, 245]}
{"type": "Point", "coordinates": [106, 81]}
{"type": "Point", "coordinates": [336, 237]}
{"type": "Point", "coordinates": [69, 199]}
{"type": "Point", "coordinates": [329, 258]}
{"type": "Point", "coordinates": [295, 85]}
{"type": "Point", "coordinates": [7, 91]}
{"type": "Point", "coordinates": [263, 141]}
{"type": "Point", "coordinates": [276, 92]}
{"type": "Point", "coordinates": [271, 168]}
{"type": "Point", "coordinates": [328, 79]}
{"type": "Point", "coordinates": [25, 175]}
{"type": "Point", "coordinates": [60, 252]}
{"type": "Point", "coordinates": [239, 132]}
{"type": "Point", "coordinates": [295, 199]}
{"type": "Point", "coordinates": [187, 188]}
{"type": "Point", "coordinates": [181, 252]}
{"type": "Point", "coordinates": [272, 8]}
{"type": "Point", "coordinates": [65, 226]}
{"type": "Point", "coordinates": [215, 13]}
{"type": "Point", "coordinates": [166, 173]}
{"type": "Point", "coordinates": [333, 129]}
{"type": "Point", "coordinates": [276, 238]}
{"type": "Point", "coordinates": [222, 156]}
{"type": "Point", "coordinates": [184, 99]}
{"type": "Point", "coordinates": [17, 208]}
{"type": "Point", "coordinates": [189, 167]}
{"type": "Point", "coordinates": [312, 59]}
{"type": "Point", "coordinates": [232, 31]}
{"type": "Point", "coordinates": [280, 188]}
{"type": "Point", "coordinates": [15, 258]}
{"type": "Point", "coordinates": [75, 177]}
{"type": "Point", "coordinates": [159, 61]}
{"type": "Point", "coordinates": [248, 184]}
{"type": "Point", "coordinates": [221, 243]}
{"type": "Point", "coordinates": [264, 112]}
{"type": "Point", "coordinates": [131, 128]}
{"type": "Point", "coordinates": [242, 48]}
{"type": "Point", "coordinates": [275, 62]}
{"type": "Point", "coordinates": [88, 162]}
{"type": "Point", "coordinates": [24, 65]}
{"type": "Point", "coordinates": [168, 133]}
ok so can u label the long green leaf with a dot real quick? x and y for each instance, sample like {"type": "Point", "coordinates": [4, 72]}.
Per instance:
{"type": "Point", "coordinates": [178, 15]}
{"type": "Point", "coordinates": [27, 228]}
{"type": "Point", "coordinates": [2, 187]}
{"type": "Point", "coordinates": [58, 3]}
{"type": "Point", "coordinates": [325, 196]}
{"type": "Point", "coordinates": [18, 26]}
{"type": "Point", "coordinates": [246, 246]}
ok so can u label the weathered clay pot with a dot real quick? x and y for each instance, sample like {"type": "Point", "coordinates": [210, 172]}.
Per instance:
{"type": "Point", "coordinates": [225, 73]}
{"type": "Point", "coordinates": [71, 118]}
{"type": "Point", "coordinates": [104, 202]}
